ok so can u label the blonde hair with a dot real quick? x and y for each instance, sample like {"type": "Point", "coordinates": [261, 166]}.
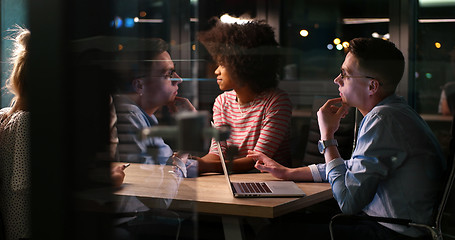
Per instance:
{"type": "Point", "coordinates": [16, 83]}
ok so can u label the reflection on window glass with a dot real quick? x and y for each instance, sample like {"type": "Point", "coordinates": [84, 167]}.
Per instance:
{"type": "Point", "coordinates": [312, 34]}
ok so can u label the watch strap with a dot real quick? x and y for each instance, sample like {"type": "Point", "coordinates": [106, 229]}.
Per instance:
{"type": "Point", "coordinates": [330, 142]}
{"type": "Point", "coordinates": [323, 144]}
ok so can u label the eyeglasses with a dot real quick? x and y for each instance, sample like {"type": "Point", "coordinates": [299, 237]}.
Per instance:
{"type": "Point", "coordinates": [344, 77]}
{"type": "Point", "coordinates": [169, 74]}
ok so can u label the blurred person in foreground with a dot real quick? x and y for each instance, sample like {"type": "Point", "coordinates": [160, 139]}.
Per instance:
{"type": "Point", "coordinates": [397, 165]}
{"type": "Point", "coordinates": [15, 146]}
{"type": "Point", "coordinates": [15, 184]}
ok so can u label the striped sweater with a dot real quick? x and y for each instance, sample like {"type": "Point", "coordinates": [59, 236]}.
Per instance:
{"type": "Point", "coordinates": [262, 125]}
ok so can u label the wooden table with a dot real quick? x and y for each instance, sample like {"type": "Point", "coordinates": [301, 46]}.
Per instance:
{"type": "Point", "coordinates": [210, 194]}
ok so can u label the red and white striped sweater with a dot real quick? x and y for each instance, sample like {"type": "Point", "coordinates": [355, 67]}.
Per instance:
{"type": "Point", "coordinates": [262, 125]}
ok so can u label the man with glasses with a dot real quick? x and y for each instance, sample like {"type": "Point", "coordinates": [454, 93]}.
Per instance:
{"type": "Point", "coordinates": [397, 165]}
{"type": "Point", "coordinates": [148, 81]}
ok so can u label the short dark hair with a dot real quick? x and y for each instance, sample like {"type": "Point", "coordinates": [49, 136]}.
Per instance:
{"type": "Point", "coordinates": [249, 51]}
{"type": "Point", "coordinates": [135, 60]}
{"type": "Point", "coordinates": [381, 58]}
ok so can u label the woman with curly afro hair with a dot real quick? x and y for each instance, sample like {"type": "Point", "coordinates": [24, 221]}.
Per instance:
{"type": "Point", "coordinates": [257, 112]}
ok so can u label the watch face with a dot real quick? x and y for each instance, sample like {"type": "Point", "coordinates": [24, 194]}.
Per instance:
{"type": "Point", "coordinates": [321, 147]}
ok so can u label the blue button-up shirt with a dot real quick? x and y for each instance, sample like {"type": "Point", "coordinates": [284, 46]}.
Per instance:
{"type": "Point", "coordinates": [395, 169]}
{"type": "Point", "coordinates": [130, 120]}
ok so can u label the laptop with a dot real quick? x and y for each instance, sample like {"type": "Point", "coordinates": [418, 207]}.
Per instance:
{"type": "Point", "coordinates": [277, 188]}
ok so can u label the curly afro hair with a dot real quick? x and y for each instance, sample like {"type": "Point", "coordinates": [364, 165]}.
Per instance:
{"type": "Point", "coordinates": [249, 51]}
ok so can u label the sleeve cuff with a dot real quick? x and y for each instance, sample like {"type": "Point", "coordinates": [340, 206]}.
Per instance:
{"type": "Point", "coordinates": [332, 164]}
{"type": "Point", "coordinates": [315, 173]}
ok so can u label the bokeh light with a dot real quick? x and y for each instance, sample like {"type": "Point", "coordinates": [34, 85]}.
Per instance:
{"type": "Point", "coordinates": [304, 33]}
{"type": "Point", "coordinates": [117, 22]}
{"type": "Point", "coordinates": [129, 22]}
{"type": "Point", "coordinates": [226, 18]}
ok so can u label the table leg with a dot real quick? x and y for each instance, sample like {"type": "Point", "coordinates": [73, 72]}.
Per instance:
{"type": "Point", "coordinates": [232, 228]}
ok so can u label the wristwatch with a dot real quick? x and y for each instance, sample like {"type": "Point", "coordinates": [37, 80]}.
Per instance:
{"type": "Point", "coordinates": [323, 144]}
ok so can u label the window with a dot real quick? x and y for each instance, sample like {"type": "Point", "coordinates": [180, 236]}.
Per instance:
{"type": "Point", "coordinates": [312, 34]}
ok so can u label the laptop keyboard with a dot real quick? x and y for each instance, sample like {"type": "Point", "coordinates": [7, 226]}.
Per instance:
{"type": "Point", "coordinates": [253, 187]}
